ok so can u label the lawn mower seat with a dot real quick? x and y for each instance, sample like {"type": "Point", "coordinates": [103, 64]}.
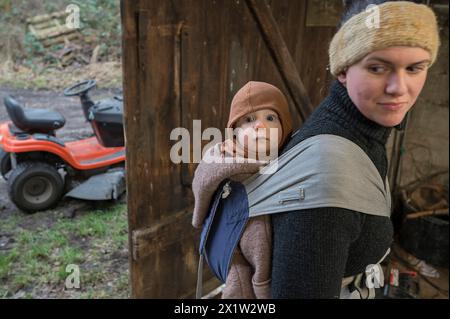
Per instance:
{"type": "Point", "coordinates": [33, 120]}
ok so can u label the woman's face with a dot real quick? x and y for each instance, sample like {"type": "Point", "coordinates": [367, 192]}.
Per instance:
{"type": "Point", "coordinates": [386, 83]}
{"type": "Point", "coordinates": [256, 131]}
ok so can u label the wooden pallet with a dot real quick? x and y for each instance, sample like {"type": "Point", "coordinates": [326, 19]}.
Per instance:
{"type": "Point", "coordinates": [51, 29]}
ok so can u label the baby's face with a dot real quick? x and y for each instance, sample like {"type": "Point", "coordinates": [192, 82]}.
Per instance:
{"type": "Point", "coordinates": [260, 131]}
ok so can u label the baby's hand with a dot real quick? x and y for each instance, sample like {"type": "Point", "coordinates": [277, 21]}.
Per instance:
{"type": "Point", "coordinates": [236, 150]}
{"type": "Point", "coordinates": [227, 146]}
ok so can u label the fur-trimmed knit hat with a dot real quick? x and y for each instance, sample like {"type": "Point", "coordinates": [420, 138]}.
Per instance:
{"type": "Point", "coordinates": [401, 23]}
{"type": "Point", "coordinates": [256, 96]}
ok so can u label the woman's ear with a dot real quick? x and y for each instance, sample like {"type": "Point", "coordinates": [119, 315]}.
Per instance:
{"type": "Point", "coordinates": [342, 77]}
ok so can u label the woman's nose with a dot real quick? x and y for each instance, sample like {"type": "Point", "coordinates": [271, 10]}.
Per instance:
{"type": "Point", "coordinates": [397, 84]}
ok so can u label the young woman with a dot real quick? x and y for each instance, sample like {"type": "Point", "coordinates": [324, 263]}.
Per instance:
{"type": "Point", "coordinates": [380, 59]}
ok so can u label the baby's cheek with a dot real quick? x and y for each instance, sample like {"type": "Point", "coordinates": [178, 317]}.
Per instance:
{"type": "Point", "coordinates": [275, 136]}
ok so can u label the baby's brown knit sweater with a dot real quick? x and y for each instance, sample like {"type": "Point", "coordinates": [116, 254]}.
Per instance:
{"type": "Point", "coordinates": [249, 273]}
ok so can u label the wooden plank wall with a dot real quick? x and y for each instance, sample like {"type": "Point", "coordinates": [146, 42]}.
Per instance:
{"type": "Point", "coordinates": [184, 60]}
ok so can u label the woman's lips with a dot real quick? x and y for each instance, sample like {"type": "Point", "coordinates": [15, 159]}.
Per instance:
{"type": "Point", "coordinates": [392, 106]}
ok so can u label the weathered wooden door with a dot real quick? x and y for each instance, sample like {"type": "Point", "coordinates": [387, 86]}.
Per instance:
{"type": "Point", "coordinates": [183, 61]}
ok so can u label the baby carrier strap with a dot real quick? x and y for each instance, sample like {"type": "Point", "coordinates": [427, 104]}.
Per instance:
{"type": "Point", "coordinates": [362, 286]}
{"type": "Point", "coordinates": [222, 230]}
{"type": "Point", "coordinates": [322, 171]}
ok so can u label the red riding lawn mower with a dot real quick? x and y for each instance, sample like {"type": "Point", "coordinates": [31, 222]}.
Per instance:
{"type": "Point", "coordinates": [40, 168]}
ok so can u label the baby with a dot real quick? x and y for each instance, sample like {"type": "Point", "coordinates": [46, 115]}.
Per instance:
{"type": "Point", "coordinates": [261, 120]}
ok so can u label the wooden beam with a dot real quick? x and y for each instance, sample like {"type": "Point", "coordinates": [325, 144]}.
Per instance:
{"type": "Point", "coordinates": [45, 17]}
{"type": "Point", "coordinates": [437, 212]}
{"type": "Point", "coordinates": [281, 55]}
{"type": "Point", "coordinates": [165, 233]}
{"type": "Point", "coordinates": [213, 290]}
{"type": "Point", "coordinates": [131, 97]}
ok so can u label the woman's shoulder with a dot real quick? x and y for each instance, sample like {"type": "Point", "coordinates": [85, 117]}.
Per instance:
{"type": "Point", "coordinates": [333, 150]}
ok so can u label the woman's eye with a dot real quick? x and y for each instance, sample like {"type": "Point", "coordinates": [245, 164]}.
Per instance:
{"type": "Point", "coordinates": [415, 69]}
{"type": "Point", "coordinates": [248, 119]}
{"type": "Point", "coordinates": [271, 118]}
{"type": "Point", "coordinates": [377, 69]}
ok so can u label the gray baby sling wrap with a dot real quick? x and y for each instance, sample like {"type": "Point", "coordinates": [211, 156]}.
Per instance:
{"type": "Point", "coordinates": [321, 171]}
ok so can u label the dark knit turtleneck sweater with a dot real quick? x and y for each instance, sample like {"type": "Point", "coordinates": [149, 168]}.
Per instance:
{"type": "Point", "coordinates": [314, 249]}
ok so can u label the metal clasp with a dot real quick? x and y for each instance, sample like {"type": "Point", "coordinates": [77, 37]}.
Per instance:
{"type": "Point", "coordinates": [299, 196]}
{"type": "Point", "coordinates": [226, 190]}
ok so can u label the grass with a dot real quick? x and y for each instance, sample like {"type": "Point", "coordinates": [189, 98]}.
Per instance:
{"type": "Point", "coordinates": [38, 259]}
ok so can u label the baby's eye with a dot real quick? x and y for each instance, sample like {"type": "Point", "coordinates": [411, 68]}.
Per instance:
{"type": "Point", "coordinates": [248, 119]}
{"type": "Point", "coordinates": [271, 118]}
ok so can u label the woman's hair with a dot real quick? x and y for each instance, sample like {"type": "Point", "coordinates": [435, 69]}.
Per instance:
{"type": "Point", "coordinates": [353, 7]}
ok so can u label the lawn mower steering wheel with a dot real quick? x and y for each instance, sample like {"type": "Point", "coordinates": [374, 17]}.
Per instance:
{"type": "Point", "coordinates": [79, 88]}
